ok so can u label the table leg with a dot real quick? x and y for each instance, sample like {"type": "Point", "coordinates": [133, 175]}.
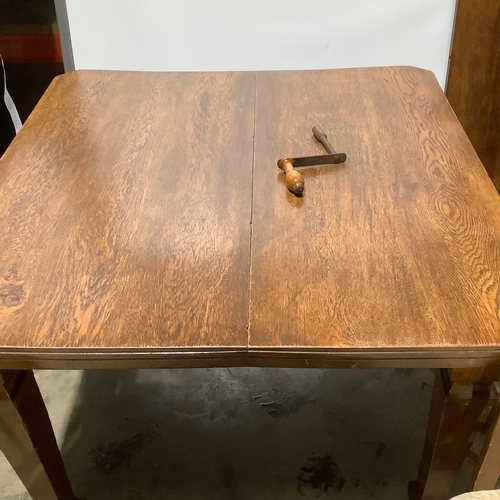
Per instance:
{"type": "Point", "coordinates": [27, 438]}
{"type": "Point", "coordinates": [487, 467]}
{"type": "Point", "coordinates": [460, 405]}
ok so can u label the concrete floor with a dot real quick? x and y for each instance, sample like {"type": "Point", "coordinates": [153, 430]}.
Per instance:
{"type": "Point", "coordinates": [236, 434]}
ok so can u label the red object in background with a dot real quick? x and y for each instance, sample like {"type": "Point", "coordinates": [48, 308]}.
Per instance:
{"type": "Point", "coordinates": [30, 48]}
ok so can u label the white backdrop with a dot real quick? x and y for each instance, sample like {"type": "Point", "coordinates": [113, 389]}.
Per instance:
{"type": "Point", "coordinates": [196, 35]}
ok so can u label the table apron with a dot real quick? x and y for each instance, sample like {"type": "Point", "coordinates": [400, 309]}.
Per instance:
{"type": "Point", "coordinates": [283, 358]}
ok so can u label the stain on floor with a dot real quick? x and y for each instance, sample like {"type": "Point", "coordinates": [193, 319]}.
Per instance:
{"type": "Point", "coordinates": [281, 404]}
{"type": "Point", "coordinates": [320, 473]}
{"type": "Point", "coordinates": [380, 447]}
{"type": "Point", "coordinates": [108, 457]}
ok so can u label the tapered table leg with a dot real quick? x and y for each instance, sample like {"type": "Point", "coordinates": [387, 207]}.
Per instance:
{"type": "Point", "coordinates": [460, 405]}
{"type": "Point", "coordinates": [27, 439]}
{"type": "Point", "coordinates": [487, 467]}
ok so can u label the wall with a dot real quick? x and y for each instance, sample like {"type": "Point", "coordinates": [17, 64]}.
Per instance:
{"type": "Point", "coordinates": [260, 34]}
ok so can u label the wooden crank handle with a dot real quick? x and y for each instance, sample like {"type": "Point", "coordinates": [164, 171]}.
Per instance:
{"type": "Point", "coordinates": [294, 180]}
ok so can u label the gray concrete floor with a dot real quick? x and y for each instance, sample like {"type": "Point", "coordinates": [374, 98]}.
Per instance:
{"type": "Point", "coordinates": [236, 434]}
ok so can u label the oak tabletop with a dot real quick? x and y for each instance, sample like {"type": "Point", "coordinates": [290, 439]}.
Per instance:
{"type": "Point", "coordinates": [399, 247]}
{"type": "Point", "coordinates": [143, 215]}
{"type": "Point", "coordinates": [125, 214]}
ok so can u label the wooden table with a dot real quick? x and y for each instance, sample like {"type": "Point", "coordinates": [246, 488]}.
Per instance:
{"type": "Point", "coordinates": [144, 224]}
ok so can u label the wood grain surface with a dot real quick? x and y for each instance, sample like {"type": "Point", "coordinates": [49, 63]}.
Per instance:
{"type": "Point", "coordinates": [399, 247]}
{"type": "Point", "coordinates": [128, 236]}
{"type": "Point", "coordinates": [125, 214]}
{"type": "Point", "coordinates": [474, 78]}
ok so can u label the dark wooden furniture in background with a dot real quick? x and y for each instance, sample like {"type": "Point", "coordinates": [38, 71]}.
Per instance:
{"type": "Point", "coordinates": [474, 78]}
{"type": "Point", "coordinates": [144, 224]}
{"type": "Point", "coordinates": [31, 50]}
{"type": "Point", "coordinates": [29, 34]}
